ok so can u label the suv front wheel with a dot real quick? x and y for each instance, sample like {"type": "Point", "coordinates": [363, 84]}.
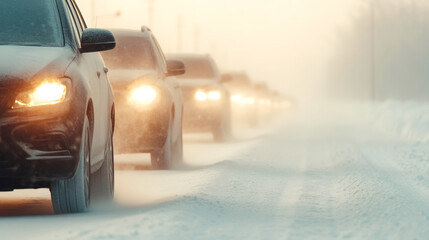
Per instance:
{"type": "Point", "coordinates": [103, 180]}
{"type": "Point", "coordinates": [162, 158]}
{"type": "Point", "coordinates": [73, 195]}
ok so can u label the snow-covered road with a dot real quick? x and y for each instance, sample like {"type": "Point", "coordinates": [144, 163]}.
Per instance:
{"type": "Point", "coordinates": [342, 173]}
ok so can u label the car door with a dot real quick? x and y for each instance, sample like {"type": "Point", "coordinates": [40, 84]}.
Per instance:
{"type": "Point", "coordinates": [92, 71]}
{"type": "Point", "coordinates": [101, 125]}
{"type": "Point", "coordinates": [173, 87]}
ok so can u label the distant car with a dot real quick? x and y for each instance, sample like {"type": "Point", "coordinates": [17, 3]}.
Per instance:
{"type": "Point", "coordinates": [243, 97]}
{"type": "Point", "coordinates": [206, 101]}
{"type": "Point", "coordinates": [263, 101]}
{"type": "Point", "coordinates": [56, 104]}
{"type": "Point", "coordinates": [148, 97]}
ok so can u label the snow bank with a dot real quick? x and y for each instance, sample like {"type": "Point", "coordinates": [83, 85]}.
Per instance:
{"type": "Point", "coordinates": [400, 120]}
{"type": "Point", "coordinates": [409, 120]}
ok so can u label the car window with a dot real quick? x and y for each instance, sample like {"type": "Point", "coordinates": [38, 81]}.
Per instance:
{"type": "Point", "coordinates": [29, 22]}
{"type": "Point", "coordinates": [74, 26]}
{"type": "Point", "coordinates": [197, 68]}
{"type": "Point", "coordinates": [79, 14]}
{"type": "Point", "coordinates": [75, 19]}
{"type": "Point", "coordinates": [130, 53]}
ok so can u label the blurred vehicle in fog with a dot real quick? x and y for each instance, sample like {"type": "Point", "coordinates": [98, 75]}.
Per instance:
{"type": "Point", "coordinates": [252, 103]}
{"type": "Point", "coordinates": [207, 106]}
{"type": "Point", "coordinates": [263, 98]}
{"type": "Point", "coordinates": [148, 97]}
{"type": "Point", "coordinates": [243, 98]}
{"type": "Point", "coordinates": [56, 104]}
{"type": "Point", "coordinates": [279, 102]}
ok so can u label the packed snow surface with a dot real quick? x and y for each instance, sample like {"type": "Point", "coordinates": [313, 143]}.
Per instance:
{"type": "Point", "coordinates": [350, 171]}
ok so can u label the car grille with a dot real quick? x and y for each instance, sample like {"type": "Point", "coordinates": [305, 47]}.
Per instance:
{"type": "Point", "coordinates": [6, 100]}
{"type": "Point", "coordinates": [5, 157]}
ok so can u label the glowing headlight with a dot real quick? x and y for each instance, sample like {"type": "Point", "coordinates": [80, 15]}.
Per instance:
{"type": "Point", "coordinates": [201, 96]}
{"type": "Point", "coordinates": [264, 102]}
{"type": "Point", "coordinates": [236, 98]}
{"type": "Point", "coordinates": [249, 101]}
{"type": "Point", "coordinates": [47, 93]}
{"type": "Point", "coordinates": [144, 95]}
{"type": "Point", "coordinates": [213, 95]}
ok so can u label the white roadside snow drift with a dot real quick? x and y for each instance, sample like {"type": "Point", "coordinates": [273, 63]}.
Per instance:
{"type": "Point", "coordinates": [345, 172]}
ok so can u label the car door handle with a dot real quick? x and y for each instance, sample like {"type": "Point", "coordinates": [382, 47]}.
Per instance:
{"type": "Point", "coordinates": [98, 74]}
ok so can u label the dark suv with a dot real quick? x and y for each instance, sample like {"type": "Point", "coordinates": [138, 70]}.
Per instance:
{"type": "Point", "coordinates": [56, 104]}
{"type": "Point", "coordinates": [148, 97]}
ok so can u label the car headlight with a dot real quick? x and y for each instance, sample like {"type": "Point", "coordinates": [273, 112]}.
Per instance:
{"type": "Point", "coordinates": [47, 93]}
{"type": "Point", "coordinates": [201, 96]}
{"type": "Point", "coordinates": [214, 95]}
{"type": "Point", "coordinates": [264, 102]}
{"type": "Point", "coordinates": [236, 98]}
{"type": "Point", "coordinates": [249, 101]}
{"type": "Point", "coordinates": [143, 95]}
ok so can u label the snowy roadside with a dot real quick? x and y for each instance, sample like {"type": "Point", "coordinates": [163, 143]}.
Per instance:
{"type": "Point", "coordinates": [406, 120]}
{"type": "Point", "coordinates": [409, 120]}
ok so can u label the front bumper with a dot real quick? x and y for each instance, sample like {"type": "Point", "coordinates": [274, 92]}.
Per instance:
{"type": "Point", "coordinates": [38, 145]}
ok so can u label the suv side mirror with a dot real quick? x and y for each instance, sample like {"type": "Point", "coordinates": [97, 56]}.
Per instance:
{"type": "Point", "coordinates": [97, 40]}
{"type": "Point", "coordinates": [175, 68]}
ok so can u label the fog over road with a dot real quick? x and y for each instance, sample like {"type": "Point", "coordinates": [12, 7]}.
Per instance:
{"type": "Point", "coordinates": [354, 172]}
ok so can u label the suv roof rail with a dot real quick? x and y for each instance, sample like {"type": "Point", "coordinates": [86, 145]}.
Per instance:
{"type": "Point", "coordinates": [145, 28]}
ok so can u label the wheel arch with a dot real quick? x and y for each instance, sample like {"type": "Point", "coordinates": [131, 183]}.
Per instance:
{"type": "Point", "coordinates": [113, 117]}
{"type": "Point", "coordinates": [90, 114]}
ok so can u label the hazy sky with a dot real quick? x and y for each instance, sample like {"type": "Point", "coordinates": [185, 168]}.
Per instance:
{"type": "Point", "coordinates": [283, 42]}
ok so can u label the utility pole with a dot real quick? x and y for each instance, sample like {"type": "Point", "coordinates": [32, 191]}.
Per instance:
{"type": "Point", "coordinates": [179, 33]}
{"type": "Point", "coordinates": [196, 38]}
{"type": "Point", "coordinates": [112, 16]}
{"type": "Point", "coordinates": [214, 50]}
{"type": "Point", "coordinates": [372, 49]}
{"type": "Point", "coordinates": [93, 13]}
{"type": "Point", "coordinates": [150, 13]}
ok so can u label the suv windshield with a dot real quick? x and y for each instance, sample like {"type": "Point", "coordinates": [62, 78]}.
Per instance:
{"type": "Point", "coordinates": [130, 53]}
{"type": "Point", "coordinates": [197, 68]}
{"type": "Point", "coordinates": [30, 23]}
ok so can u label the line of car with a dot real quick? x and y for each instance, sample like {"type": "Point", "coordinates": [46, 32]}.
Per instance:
{"type": "Point", "coordinates": [59, 111]}
{"type": "Point", "coordinates": [253, 103]}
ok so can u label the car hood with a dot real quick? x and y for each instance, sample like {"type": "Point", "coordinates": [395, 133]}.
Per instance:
{"type": "Point", "coordinates": [122, 77]}
{"type": "Point", "coordinates": [198, 83]}
{"type": "Point", "coordinates": [21, 64]}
